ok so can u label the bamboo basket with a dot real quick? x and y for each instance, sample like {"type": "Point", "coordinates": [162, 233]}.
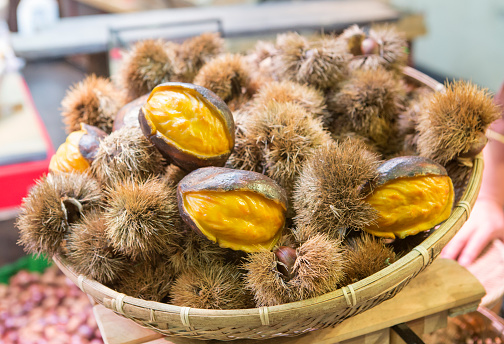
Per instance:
{"type": "Point", "coordinates": [297, 317]}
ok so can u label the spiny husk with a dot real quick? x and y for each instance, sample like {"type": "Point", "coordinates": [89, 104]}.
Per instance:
{"type": "Point", "coordinates": [310, 98]}
{"type": "Point", "coordinates": [148, 64]}
{"type": "Point", "coordinates": [352, 38]}
{"type": "Point", "coordinates": [195, 251]}
{"type": "Point", "coordinates": [229, 76]}
{"type": "Point", "coordinates": [325, 64]}
{"type": "Point", "coordinates": [287, 136]}
{"type": "Point", "coordinates": [51, 206]}
{"type": "Point", "coordinates": [453, 120]}
{"type": "Point", "coordinates": [124, 154]}
{"type": "Point", "coordinates": [173, 174]}
{"type": "Point", "coordinates": [94, 101]}
{"type": "Point", "coordinates": [149, 281]}
{"type": "Point", "coordinates": [364, 256]}
{"type": "Point", "coordinates": [291, 48]}
{"type": "Point", "coordinates": [261, 58]}
{"type": "Point", "coordinates": [195, 52]}
{"type": "Point", "coordinates": [392, 54]}
{"type": "Point", "coordinates": [369, 104]}
{"type": "Point", "coordinates": [90, 252]}
{"type": "Point", "coordinates": [142, 218]}
{"type": "Point", "coordinates": [214, 286]}
{"type": "Point", "coordinates": [317, 270]}
{"type": "Point", "coordinates": [328, 193]}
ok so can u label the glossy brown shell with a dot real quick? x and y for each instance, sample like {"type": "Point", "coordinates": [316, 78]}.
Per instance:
{"type": "Point", "coordinates": [223, 180]}
{"type": "Point", "coordinates": [127, 116]}
{"type": "Point", "coordinates": [90, 141]}
{"type": "Point", "coordinates": [407, 167]}
{"type": "Point", "coordinates": [190, 162]}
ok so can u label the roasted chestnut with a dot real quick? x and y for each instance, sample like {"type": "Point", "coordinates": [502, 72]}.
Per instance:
{"type": "Point", "coordinates": [127, 116]}
{"type": "Point", "coordinates": [412, 194]}
{"type": "Point", "coordinates": [78, 151]}
{"type": "Point", "coordinates": [188, 124]}
{"type": "Point", "coordinates": [238, 209]}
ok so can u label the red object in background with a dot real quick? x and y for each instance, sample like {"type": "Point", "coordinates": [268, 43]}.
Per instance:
{"type": "Point", "coordinates": [17, 178]}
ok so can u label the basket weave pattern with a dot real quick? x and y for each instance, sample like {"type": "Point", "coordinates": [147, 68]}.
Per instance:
{"type": "Point", "coordinates": [297, 317]}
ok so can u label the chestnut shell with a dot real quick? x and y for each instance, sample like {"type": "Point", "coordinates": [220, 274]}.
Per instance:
{"type": "Point", "coordinates": [127, 116]}
{"type": "Point", "coordinates": [185, 160]}
{"type": "Point", "coordinates": [90, 141]}
{"type": "Point", "coordinates": [226, 179]}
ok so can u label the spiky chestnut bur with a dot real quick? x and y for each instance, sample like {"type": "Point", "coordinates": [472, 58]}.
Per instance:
{"type": "Point", "coordinates": [291, 48]}
{"type": "Point", "coordinates": [310, 98]}
{"type": "Point", "coordinates": [452, 124]}
{"type": "Point", "coordinates": [195, 52]}
{"type": "Point", "coordinates": [147, 64]}
{"type": "Point", "coordinates": [90, 252]}
{"type": "Point", "coordinates": [214, 286]}
{"type": "Point", "coordinates": [286, 136]}
{"type": "Point", "coordinates": [368, 104]}
{"type": "Point", "coordinates": [148, 281]}
{"type": "Point", "coordinates": [125, 154]}
{"type": "Point", "coordinates": [78, 151]}
{"type": "Point", "coordinates": [364, 256]}
{"type": "Point", "coordinates": [353, 38]}
{"type": "Point", "coordinates": [240, 210]}
{"type": "Point", "coordinates": [173, 175]}
{"type": "Point", "coordinates": [229, 76]}
{"type": "Point", "coordinates": [194, 251]}
{"type": "Point", "coordinates": [262, 59]}
{"type": "Point", "coordinates": [189, 125]}
{"type": "Point", "coordinates": [328, 194]}
{"type": "Point", "coordinates": [94, 101]}
{"type": "Point", "coordinates": [317, 269]}
{"type": "Point", "coordinates": [56, 202]}
{"type": "Point", "coordinates": [142, 218]}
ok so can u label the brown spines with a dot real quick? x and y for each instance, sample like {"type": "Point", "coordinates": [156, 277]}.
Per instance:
{"type": "Point", "coordinates": [195, 52]}
{"type": "Point", "coordinates": [364, 256]}
{"type": "Point", "coordinates": [94, 101]}
{"type": "Point", "coordinates": [352, 38]}
{"type": "Point", "coordinates": [454, 121]}
{"type": "Point", "coordinates": [151, 282]}
{"type": "Point", "coordinates": [214, 286]}
{"type": "Point", "coordinates": [286, 136]}
{"type": "Point", "coordinates": [309, 98]}
{"type": "Point", "coordinates": [125, 154]}
{"type": "Point", "coordinates": [328, 195]}
{"type": "Point", "coordinates": [148, 64]}
{"type": "Point", "coordinates": [173, 174]}
{"type": "Point", "coordinates": [90, 252]}
{"type": "Point", "coordinates": [142, 218]}
{"type": "Point", "coordinates": [317, 270]}
{"type": "Point", "coordinates": [57, 201]}
{"type": "Point", "coordinates": [229, 77]}
{"type": "Point", "coordinates": [291, 48]}
{"type": "Point", "coordinates": [368, 104]}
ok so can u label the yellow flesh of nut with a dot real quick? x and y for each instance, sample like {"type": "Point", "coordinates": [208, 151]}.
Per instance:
{"type": "Point", "coordinates": [68, 157]}
{"type": "Point", "coordinates": [408, 206]}
{"type": "Point", "coordinates": [240, 220]}
{"type": "Point", "coordinates": [185, 120]}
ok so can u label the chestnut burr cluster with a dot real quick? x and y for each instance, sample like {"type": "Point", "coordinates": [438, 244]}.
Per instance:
{"type": "Point", "coordinates": [219, 180]}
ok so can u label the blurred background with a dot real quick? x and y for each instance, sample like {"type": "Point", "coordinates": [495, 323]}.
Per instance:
{"type": "Point", "coordinates": [48, 45]}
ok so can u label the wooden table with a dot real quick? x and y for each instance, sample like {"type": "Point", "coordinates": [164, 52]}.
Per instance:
{"type": "Point", "coordinates": [444, 289]}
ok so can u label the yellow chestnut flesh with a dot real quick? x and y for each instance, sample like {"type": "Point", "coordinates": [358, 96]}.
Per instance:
{"type": "Point", "coordinates": [68, 157]}
{"type": "Point", "coordinates": [184, 118]}
{"type": "Point", "coordinates": [408, 206]}
{"type": "Point", "coordinates": [240, 220]}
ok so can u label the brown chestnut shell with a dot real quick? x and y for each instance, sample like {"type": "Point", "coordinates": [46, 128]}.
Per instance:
{"type": "Point", "coordinates": [185, 160]}
{"type": "Point", "coordinates": [127, 116]}
{"type": "Point", "coordinates": [90, 141]}
{"type": "Point", "coordinates": [222, 179]}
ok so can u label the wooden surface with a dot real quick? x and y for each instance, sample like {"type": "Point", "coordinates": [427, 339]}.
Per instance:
{"type": "Point", "coordinates": [443, 289]}
{"type": "Point", "coordinates": [90, 34]}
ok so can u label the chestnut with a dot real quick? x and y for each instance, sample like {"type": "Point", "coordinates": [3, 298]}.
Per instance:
{"type": "Point", "coordinates": [127, 116]}
{"type": "Point", "coordinates": [411, 194]}
{"type": "Point", "coordinates": [78, 151]}
{"type": "Point", "coordinates": [237, 209]}
{"type": "Point", "coordinates": [188, 124]}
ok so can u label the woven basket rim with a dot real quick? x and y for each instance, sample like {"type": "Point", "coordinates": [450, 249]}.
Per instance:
{"type": "Point", "coordinates": [348, 296]}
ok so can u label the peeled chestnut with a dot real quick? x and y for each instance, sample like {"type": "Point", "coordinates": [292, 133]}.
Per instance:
{"type": "Point", "coordinates": [188, 124]}
{"type": "Point", "coordinates": [127, 116]}
{"type": "Point", "coordinates": [78, 151]}
{"type": "Point", "coordinates": [238, 209]}
{"type": "Point", "coordinates": [412, 194]}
